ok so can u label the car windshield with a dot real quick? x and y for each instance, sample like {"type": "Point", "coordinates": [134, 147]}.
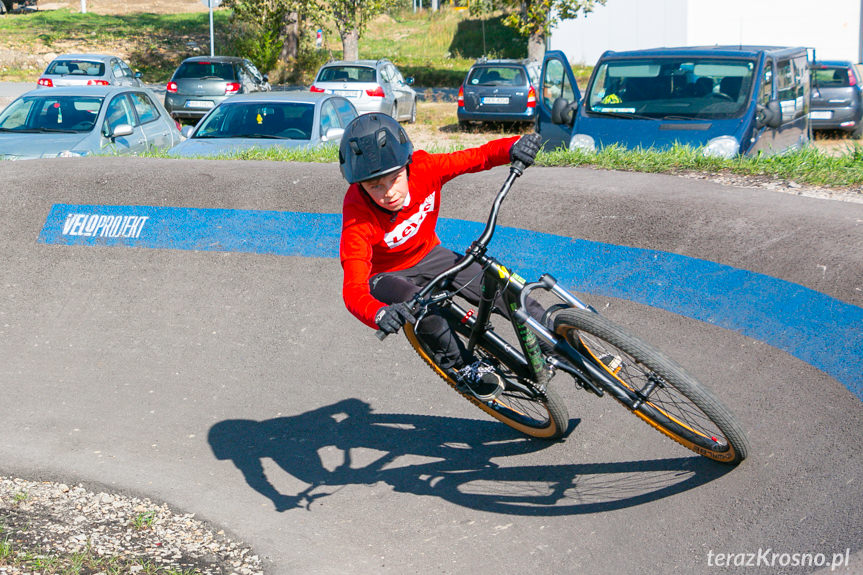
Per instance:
{"type": "Point", "coordinates": [692, 88]}
{"type": "Point", "coordinates": [347, 74]}
{"type": "Point", "coordinates": [833, 77]}
{"type": "Point", "coordinates": [280, 120]}
{"type": "Point", "coordinates": [496, 76]}
{"type": "Point", "coordinates": [216, 70]}
{"type": "Point", "coordinates": [76, 67]}
{"type": "Point", "coordinates": [51, 114]}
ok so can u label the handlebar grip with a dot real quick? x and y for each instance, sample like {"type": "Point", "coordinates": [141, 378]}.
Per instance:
{"type": "Point", "coordinates": [518, 167]}
{"type": "Point", "coordinates": [381, 334]}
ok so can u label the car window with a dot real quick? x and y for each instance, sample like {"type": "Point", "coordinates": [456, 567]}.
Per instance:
{"type": "Point", "coordinates": [51, 113]}
{"type": "Point", "coordinates": [345, 109]}
{"type": "Point", "coordinates": [766, 84]}
{"type": "Point", "coordinates": [256, 120]}
{"type": "Point", "coordinates": [832, 77]}
{"type": "Point", "coordinates": [329, 117]}
{"type": "Point", "coordinates": [556, 83]}
{"type": "Point", "coordinates": [205, 69]}
{"type": "Point", "coordinates": [147, 111]}
{"type": "Point", "coordinates": [77, 67]}
{"type": "Point", "coordinates": [790, 88]}
{"type": "Point", "coordinates": [119, 112]}
{"type": "Point", "coordinates": [127, 71]}
{"type": "Point", "coordinates": [254, 72]}
{"type": "Point", "coordinates": [117, 69]}
{"type": "Point", "coordinates": [388, 74]}
{"type": "Point", "coordinates": [347, 74]}
{"type": "Point", "coordinates": [496, 76]}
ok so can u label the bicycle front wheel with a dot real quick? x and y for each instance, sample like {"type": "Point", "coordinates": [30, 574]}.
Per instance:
{"type": "Point", "coordinates": [536, 413]}
{"type": "Point", "coordinates": [676, 404]}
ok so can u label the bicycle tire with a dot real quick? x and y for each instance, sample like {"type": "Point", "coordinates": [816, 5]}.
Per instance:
{"type": "Point", "coordinates": [680, 406]}
{"type": "Point", "coordinates": [544, 416]}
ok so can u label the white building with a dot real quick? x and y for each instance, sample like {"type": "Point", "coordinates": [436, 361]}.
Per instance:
{"type": "Point", "coordinates": [834, 28]}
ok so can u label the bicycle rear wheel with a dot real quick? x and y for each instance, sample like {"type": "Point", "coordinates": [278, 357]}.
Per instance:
{"type": "Point", "coordinates": [678, 406]}
{"type": "Point", "coordinates": [542, 415]}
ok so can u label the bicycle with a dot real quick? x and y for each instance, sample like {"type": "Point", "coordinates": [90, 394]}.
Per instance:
{"type": "Point", "coordinates": [602, 357]}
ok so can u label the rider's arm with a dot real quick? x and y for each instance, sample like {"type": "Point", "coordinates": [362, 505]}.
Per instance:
{"type": "Point", "coordinates": [356, 255]}
{"type": "Point", "coordinates": [487, 156]}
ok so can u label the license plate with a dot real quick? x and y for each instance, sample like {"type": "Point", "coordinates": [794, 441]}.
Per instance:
{"type": "Point", "coordinates": [820, 115]}
{"type": "Point", "coordinates": [495, 100]}
{"type": "Point", "coordinates": [199, 104]}
{"type": "Point", "coordinates": [347, 93]}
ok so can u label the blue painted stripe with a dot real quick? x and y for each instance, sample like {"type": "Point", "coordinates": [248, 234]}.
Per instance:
{"type": "Point", "coordinates": [818, 329]}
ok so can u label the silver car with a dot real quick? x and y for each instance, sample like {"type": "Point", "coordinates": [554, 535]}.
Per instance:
{"type": "Point", "coordinates": [88, 70]}
{"type": "Point", "coordinates": [201, 83]}
{"type": "Point", "coordinates": [267, 120]}
{"type": "Point", "coordinates": [371, 86]}
{"type": "Point", "coordinates": [84, 120]}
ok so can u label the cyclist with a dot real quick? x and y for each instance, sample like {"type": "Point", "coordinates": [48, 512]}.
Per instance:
{"type": "Point", "coordinates": [389, 248]}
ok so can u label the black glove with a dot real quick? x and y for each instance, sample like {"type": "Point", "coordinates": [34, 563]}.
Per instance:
{"type": "Point", "coordinates": [525, 149]}
{"type": "Point", "coordinates": [392, 317]}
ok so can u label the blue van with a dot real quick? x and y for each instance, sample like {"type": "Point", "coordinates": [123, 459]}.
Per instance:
{"type": "Point", "coordinates": [729, 99]}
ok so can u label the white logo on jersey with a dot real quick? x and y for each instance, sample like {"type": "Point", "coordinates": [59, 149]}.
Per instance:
{"type": "Point", "coordinates": [408, 228]}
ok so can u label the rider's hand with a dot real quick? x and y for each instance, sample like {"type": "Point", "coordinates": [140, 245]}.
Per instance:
{"type": "Point", "coordinates": [391, 318]}
{"type": "Point", "coordinates": [525, 149]}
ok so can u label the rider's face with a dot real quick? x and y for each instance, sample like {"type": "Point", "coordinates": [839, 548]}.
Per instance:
{"type": "Point", "coordinates": [389, 191]}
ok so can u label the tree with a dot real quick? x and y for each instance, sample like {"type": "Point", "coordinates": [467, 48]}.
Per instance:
{"type": "Point", "coordinates": [268, 31]}
{"type": "Point", "coordinates": [351, 18]}
{"type": "Point", "coordinates": [534, 19]}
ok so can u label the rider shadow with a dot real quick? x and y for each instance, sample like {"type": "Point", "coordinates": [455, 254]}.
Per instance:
{"type": "Point", "coordinates": [347, 444]}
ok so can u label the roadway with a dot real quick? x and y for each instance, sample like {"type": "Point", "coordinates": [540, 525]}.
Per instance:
{"type": "Point", "coordinates": [180, 355]}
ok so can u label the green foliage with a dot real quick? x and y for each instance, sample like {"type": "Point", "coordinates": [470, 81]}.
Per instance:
{"type": "Point", "coordinates": [487, 37]}
{"type": "Point", "coordinates": [540, 16]}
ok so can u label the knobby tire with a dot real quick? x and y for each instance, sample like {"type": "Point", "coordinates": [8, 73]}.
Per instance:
{"type": "Point", "coordinates": [680, 407]}
{"type": "Point", "coordinates": [544, 416]}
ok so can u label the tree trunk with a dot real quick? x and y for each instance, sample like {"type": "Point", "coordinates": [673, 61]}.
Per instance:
{"type": "Point", "coordinates": [351, 44]}
{"type": "Point", "coordinates": [291, 34]}
{"type": "Point", "coordinates": [536, 46]}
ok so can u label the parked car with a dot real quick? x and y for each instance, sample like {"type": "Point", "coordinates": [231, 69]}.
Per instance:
{"type": "Point", "coordinates": [201, 83]}
{"type": "Point", "coordinates": [88, 70]}
{"type": "Point", "coordinates": [275, 119]}
{"type": "Point", "coordinates": [837, 97]}
{"type": "Point", "coordinates": [499, 91]}
{"type": "Point", "coordinates": [371, 86]}
{"type": "Point", "coordinates": [84, 120]}
{"type": "Point", "coordinates": [730, 100]}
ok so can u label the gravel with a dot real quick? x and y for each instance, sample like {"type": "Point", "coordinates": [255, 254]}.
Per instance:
{"type": "Point", "coordinates": [54, 518]}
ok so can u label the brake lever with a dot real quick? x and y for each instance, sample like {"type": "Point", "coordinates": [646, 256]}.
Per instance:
{"type": "Point", "coordinates": [423, 310]}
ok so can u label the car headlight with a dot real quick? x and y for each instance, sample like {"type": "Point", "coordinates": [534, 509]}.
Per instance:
{"type": "Point", "coordinates": [722, 147]}
{"type": "Point", "coordinates": [582, 142]}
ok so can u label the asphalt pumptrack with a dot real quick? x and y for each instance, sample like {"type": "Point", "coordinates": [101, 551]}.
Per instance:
{"type": "Point", "coordinates": [174, 329]}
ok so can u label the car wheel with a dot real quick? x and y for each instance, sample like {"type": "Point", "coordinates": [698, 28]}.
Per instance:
{"type": "Point", "coordinates": [395, 112]}
{"type": "Point", "coordinates": [413, 118]}
{"type": "Point", "coordinates": [857, 132]}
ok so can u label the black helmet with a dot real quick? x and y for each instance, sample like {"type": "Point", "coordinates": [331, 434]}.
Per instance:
{"type": "Point", "coordinates": [373, 145]}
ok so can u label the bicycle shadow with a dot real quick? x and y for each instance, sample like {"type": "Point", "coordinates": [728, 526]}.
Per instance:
{"type": "Point", "coordinates": [346, 443]}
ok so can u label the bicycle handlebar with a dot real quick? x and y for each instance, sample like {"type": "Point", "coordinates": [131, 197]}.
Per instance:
{"type": "Point", "coordinates": [478, 247]}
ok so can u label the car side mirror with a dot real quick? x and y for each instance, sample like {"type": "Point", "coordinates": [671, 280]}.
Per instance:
{"type": "Point", "coordinates": [562, 111]}
{"type": "Point", "coordinates": [333, 134]}
{"type": "Point", "coordinates": [266, 78]}
{"type": "Point", "coordinates": [119, 131]}
{"type": "Point", "coordinates": [138, 74]}
{"type": "Point", "coordinates": [769, 115]}
{"type": "Point", "coordinates": [409, 80]}
{"type": "Point", "coordinates": [186, 132]}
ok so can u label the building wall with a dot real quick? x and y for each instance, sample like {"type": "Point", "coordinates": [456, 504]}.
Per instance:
{"type": "Point", "coordinates": [834, 29]}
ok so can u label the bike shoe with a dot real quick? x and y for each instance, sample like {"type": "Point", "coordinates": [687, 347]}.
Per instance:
{"type": "Point", "coordinates": [481, 380]}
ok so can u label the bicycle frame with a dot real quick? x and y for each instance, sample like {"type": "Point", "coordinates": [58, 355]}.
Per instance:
{"type": "Point", "coordinates": [528, 362]}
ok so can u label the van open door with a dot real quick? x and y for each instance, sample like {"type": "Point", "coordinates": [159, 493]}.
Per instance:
{"type": "Point", "coordinates": [557, 84]}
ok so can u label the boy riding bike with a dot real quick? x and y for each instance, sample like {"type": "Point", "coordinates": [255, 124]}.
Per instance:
{"type": "Point", "coordinates": [389, 248]}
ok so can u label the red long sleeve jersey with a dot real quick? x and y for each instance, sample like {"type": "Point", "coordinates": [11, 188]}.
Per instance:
{"type": "Point", "coordinates": [375, 240]}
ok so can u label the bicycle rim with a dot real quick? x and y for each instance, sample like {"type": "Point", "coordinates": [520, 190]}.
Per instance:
{"type": "Point", "coordinates": [679, 406]}
{"type": "Point", "coordinates": [543, 416]}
